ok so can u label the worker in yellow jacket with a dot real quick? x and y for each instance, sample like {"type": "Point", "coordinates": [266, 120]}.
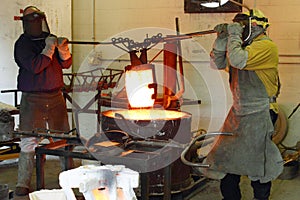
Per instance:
{"type": "Point", "coordinates": [251, 58]}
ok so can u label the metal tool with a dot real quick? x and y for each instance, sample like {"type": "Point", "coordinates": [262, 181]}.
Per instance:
{"type": "Point", "coordinates": [155, 39]}
{"type": "Point", "coordinates": [294, 110]}
{"type": "Point", "coordinates": [48, 134]}
{"type": "Point", "coordinates": [202, 138]}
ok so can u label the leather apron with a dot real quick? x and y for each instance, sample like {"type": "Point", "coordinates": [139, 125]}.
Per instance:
{"type": "Point", "coordinates": [250, 151]}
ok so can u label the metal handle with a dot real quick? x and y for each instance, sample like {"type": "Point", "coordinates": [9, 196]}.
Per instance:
{"type": "Point", "coordinates": [200, 137]}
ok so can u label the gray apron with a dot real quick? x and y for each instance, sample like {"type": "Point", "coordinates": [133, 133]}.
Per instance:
{"type": "Point", "coordinates": [250, 151]}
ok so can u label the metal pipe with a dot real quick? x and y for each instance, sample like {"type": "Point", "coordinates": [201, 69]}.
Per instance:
{"type": "Point", "coordinates": [188, 35]}
{"type": "Point", "coordinates": [46, 134]}
{"type": "Point", "coordinates": [164, 39]}
{"type": "Point", "coordinates": [240, 4]}
{"type": "Point", "coordinates": [88, 42]}
{"type": "Point", "coordinates": [289, 55]}
{"type": "Point", "coordinates": [170, 75]}
{"type": "Point", "coordinates": [199, 138]}
{"type": "Point", "coordinates": [181, 75]}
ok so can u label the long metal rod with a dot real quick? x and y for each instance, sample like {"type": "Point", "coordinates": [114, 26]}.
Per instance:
{"type": "Point", "coordinates": [294, 110]}
{"type": "Point", "coordinates": [240, 4]}
{"type": "Point", "coordinates": [181, 75]}
{"type": "Point", "coordinates": [199, 138]}
{"type": "Point", "coordinates": [188, 35]}
{"type": "Point", "coordinates": [46, 135]}
{"type": "Point", "coordinates": [164, 39]}
{"type": "Point", "coordinates": [88, 42]}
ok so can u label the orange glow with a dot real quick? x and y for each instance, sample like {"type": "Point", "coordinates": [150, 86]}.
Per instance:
{"type": "Point", "coordinates": [138, 92]}
{"type": "Point", "coordinates": [100, 194]}
{"type": "Point", "coordinates": [104, 194]}
{"type": "Point", "coordinates": [146, 114]}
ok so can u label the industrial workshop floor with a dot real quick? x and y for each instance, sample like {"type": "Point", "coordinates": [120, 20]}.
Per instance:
{"type": "Point", "coordinates": [281, 190]}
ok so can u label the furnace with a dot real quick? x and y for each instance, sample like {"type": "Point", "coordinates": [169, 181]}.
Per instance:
{"type": "Point", "coordinates": [149, 134]}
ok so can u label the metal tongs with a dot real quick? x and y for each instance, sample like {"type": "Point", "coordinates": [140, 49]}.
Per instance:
{"type": "Point", "coordinates": [203, 140]}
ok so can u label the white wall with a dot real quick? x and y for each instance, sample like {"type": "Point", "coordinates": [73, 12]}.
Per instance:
{"type": "Point", "coordinates": [59, 19]}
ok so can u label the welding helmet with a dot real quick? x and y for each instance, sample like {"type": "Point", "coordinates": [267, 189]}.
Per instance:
{"type": "Point", "coordinates": [254, 23]}
{"type": "Point", "coordinates": [34, 22]}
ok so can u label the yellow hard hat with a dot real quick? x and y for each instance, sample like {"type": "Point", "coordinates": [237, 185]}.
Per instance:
{"type": "Point", "coordinates": [258, 17]}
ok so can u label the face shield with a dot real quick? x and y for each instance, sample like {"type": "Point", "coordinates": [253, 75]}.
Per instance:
{"type": "Point", "coordinates": [246, 22]}
{"type": "Point", "coordinates": [254, 23]}
{"type": "Point", "coordinates": [35, 24]}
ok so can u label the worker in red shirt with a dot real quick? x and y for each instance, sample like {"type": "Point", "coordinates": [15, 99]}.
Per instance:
{"type": "Point", "coordinates": [40, 57]}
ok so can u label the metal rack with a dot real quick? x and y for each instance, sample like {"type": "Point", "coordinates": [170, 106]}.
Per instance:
{"type": "Point", "coordinates": [97, 80]}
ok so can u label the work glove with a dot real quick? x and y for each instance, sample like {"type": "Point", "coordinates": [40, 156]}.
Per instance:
{"type": "Point", "coordinates": [235, 29]}
{"type": "Point", "coordinates": [220, 43]}
{"type": "Point", "coordinates": [63, 49]}
{"type": "Point", "coordinates": [51, 43]}
{"type": "Point", "coordinates": [221, 30]}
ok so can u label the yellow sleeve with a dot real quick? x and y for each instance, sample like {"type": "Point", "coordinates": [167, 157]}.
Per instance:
{"type": "Point", "coordinates": [263, 59]}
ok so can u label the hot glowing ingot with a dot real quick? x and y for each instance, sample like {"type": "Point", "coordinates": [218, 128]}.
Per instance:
{"type": "Point", "coordinates": [137, 81]}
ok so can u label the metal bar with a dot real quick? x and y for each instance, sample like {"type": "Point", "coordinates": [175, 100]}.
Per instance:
{"type": "Point", "coordinates": [15, 91]}
{"type": "Point", "coordinates": [289, 55]}
{"type": "Point", "coordinates": [240, 4]}
{"type": "Point", "coordinates": [8, 156]}
{"type": "Point", "coordinates": [164, 39]}
{"type": "Point", "coordinates": [191, 102]}
{"type": "Point", "coordinates": [159, 143]}
{"type": "Point", "coordinates": [42, 151]}
{"type": "Point", "coordinates": [88, 42]}
{"type": "Point", "coordinates": [144, 186]}
{"type": "Point", "coordinates": [181, 78]}
{"type": "Point", "coordinates": [188, 35]}
{"type": "Point", "coordinates": [289, 63]}
{"type": "Point", "coordinates": [52, 135]}
{"type": "Point", "coordinates": [62, 152]}
{"type": "Point", "coordinates": [199, 138]}
{"type": "Point", "coordinates": [294, 110]}
{"type": "Point", "coordinates": [40, 173]}
{"type": "Point", "coordinates": [167, 182]}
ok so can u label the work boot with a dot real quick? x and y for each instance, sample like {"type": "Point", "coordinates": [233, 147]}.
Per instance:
{"type": "Point", "coordinates": [230, 187]}
{"type": "Point", "coordinates": [25, 169]}
{"type": "Point", "coordinates": [261, 190]}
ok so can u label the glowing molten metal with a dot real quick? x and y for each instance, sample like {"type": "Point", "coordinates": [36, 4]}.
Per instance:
{"type": "Point", "coordinates": [147, 114]}
{"type": "Point", "coordinates": [137, 81]}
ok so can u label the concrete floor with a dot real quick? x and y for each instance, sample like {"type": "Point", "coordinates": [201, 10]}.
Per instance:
{"type": "Point", "coordinates": [281, 190]}
{"type": "Point", "coordinates": [9, 170]}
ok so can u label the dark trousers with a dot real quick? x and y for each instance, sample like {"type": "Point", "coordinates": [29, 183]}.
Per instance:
{"type": "Point", "coordinates": [230, 188]}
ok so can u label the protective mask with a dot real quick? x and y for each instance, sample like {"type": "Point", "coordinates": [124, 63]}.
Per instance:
{"type": "Point", "coordinates": [250, 32]}
{"type": "Point", "coordinates": [35, 24]}
{"type": "Point", "coordinates": [254, 32]}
